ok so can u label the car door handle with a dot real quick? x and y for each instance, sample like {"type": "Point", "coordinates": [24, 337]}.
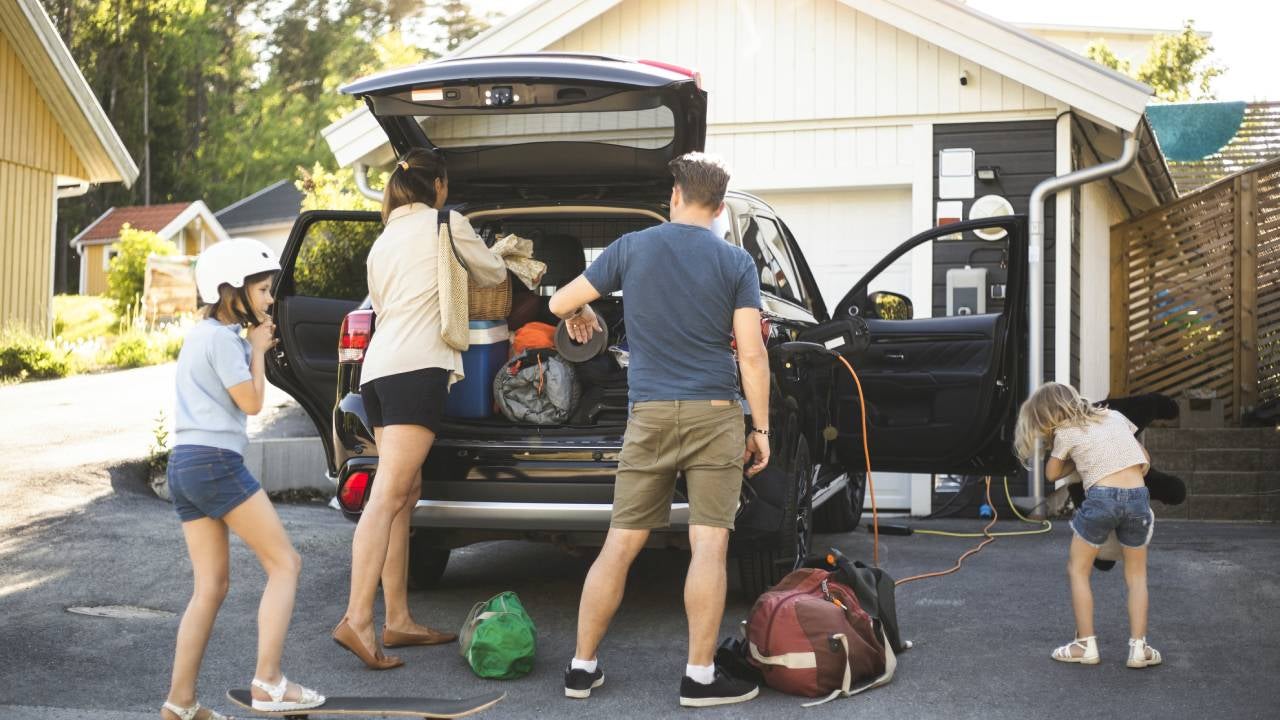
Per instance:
{"type": "Point", "coordinates": [895, 355]}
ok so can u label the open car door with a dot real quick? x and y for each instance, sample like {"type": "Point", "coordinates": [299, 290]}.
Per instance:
{"type": "Point", "coordinates": [322, 278]}
{"type": "Point", "coordinates": [942, 393]}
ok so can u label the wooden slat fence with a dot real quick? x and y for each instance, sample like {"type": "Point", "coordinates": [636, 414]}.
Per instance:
{"type": "Point", "coordinates": [1195, 289]}
{"type": "Point", "coordinates": [1257, 140]}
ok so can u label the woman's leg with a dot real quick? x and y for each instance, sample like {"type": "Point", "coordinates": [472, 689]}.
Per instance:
{"type": "Point", "coordinates": [255, 521]}
{"type": "Point", "coordinates": [395, 571]}
{"type": "Point", "coordinates": [1079, 565]}
{"type": "Point", "coordinates": [207, 546]}
{"type": "Point", "coordinates": [401, 451]}
{"type": "Point", "coordinates": [1135, 577]}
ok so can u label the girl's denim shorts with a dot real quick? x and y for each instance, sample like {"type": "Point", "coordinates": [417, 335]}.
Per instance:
{"type": "Point", "coordinates": [208, 481]}
{"type": "Point", "coordinates": [1127, 511]}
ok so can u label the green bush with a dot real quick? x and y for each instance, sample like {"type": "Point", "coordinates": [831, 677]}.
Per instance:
{"type": "Point", "coordinates": [134, 350]}
{"type": "Point", "coordinates": [24, 356]}
{"type": "Point", "coordinates": [127, 272]}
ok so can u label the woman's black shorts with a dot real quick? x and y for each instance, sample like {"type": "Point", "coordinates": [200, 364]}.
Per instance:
{"type": "Point", "coordinates": [411, 398]}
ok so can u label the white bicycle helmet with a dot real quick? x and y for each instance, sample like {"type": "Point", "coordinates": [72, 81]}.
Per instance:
{"type": "Point", "coordinates": [230, 262]}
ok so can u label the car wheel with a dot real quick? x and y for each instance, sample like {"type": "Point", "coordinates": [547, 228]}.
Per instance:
{"type": "Point", "coordinates": [427, 561]}
{"type": "Point", "coordinates": [843, 511]}
{"type": "Point", "coordinates": [762, 566]}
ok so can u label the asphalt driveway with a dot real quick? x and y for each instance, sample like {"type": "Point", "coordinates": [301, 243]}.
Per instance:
{"type": "Point", "coordinates": [93, 537]}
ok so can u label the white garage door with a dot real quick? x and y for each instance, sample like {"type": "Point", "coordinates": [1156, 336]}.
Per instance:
{"type": "Point", "coordinates": [842, 235]}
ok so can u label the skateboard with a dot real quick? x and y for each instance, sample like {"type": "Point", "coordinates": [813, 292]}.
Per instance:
{"type": "Point", "coordinates": [381, 706]}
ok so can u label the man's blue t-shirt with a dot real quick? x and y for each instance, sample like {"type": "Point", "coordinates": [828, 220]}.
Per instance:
{"type": "Point", "coordinates": [680, 286]}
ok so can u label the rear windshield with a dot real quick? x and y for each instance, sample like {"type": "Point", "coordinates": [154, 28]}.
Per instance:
{"type": "Point", "coordinates": [646, 129]}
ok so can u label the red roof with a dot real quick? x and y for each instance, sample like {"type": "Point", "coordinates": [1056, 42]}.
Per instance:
{"type": "Point", "coordinates": [139, 217]}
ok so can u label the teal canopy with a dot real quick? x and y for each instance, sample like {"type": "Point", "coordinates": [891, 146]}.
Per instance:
{"type": "Point", "coordinates": [1194, 131]}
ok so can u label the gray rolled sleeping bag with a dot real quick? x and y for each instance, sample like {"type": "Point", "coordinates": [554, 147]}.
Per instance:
{"type": "Point", "coordinates": [538, 387]}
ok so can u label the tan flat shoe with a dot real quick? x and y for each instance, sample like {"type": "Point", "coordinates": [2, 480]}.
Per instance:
{"type": "Point", "coordinates": [375, 660]}
{"type": "Point", "coordinates": [392, 638]}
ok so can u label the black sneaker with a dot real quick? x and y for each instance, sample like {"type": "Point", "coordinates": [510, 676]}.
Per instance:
{"type": "Point", "coordinates": [579, 683]}
{"type": "Point", "coordinates": [725, 690]}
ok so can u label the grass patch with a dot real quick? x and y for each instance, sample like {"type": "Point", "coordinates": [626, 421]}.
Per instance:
{"type": "Point", "coordinates": [89, 336]}
{"type": "Point", "coordinates": [83, 317]}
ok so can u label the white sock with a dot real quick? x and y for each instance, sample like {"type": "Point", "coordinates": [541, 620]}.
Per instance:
{"type": "Point", "coordinates": [702, 674]}
{"type": "Point", "coordinates": [588, 665]}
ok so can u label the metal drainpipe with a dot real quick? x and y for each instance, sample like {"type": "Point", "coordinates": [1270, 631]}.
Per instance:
{"type": "Point", "coordinates": [362, 183]}
{"type": "Point", "coordinates": [1035, 266]}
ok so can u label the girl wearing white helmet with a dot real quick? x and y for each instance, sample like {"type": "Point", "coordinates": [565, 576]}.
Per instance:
{"type": "Point", "coordinates": [404, 382]}
{"type": "Point", "coordinates": [221, 380]}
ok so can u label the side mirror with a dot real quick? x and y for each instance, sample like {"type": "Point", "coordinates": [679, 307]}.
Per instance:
{"type": "Point", "coordinates": [885, 305]}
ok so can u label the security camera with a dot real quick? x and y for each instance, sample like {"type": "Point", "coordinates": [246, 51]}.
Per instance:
{"type": "Point", "coordinates": [964, 77]}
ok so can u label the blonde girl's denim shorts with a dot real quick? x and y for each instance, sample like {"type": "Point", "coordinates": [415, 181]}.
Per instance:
{"type": "Point", "coordinates": [1127, 511]}
{"type": "Point", "coordinates": [208, 481]}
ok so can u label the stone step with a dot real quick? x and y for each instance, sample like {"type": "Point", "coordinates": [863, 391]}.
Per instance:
{"type": "Point", "coordinates": [1216, 460]}
{"type": "Point", "coordinates": [1232, 483]}
{"type": "Point", "coordinates": [1210, 438]}
{"type": "Point", "coordinates": [1247, 508]}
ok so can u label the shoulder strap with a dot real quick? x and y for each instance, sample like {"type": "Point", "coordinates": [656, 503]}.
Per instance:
{"type": "Point", "coordinates": [444, 225]}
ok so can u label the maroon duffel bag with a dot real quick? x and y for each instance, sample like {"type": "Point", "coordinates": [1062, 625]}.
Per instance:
{"type": "Point", "coordinates": [809, 636]}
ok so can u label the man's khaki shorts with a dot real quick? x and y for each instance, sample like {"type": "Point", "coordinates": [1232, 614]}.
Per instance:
{"type": "Point", "coordinates": [704, 439]}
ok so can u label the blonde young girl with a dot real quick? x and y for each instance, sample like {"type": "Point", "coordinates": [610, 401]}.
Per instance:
{"type": "Point", "coordinates": [220, 380]}
{"type": "Point", "coordinates": [1100, 446]}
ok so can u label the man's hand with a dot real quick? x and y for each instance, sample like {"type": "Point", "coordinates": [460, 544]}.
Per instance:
{"type": "Point", "coordinates": [758, 448]}
{"type": "Point", "coordinates": [583, 325]}
{"type": "Point", "coordinates": [261, 337]}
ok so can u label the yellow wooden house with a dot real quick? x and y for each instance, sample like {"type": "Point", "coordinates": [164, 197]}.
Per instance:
{"type": "Point", "coordinates": [55, 140]}
{"type": "Point", "coordinates": [190, 226]}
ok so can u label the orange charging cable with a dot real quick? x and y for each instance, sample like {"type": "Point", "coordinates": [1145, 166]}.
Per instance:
{"type": "Point", "coordinates": [866, 454]}
{"type": "Point", "coordinates": [986, 531]}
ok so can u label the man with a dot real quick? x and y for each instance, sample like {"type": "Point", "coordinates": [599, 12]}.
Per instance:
{"type": "Point", "coordinates": [689, 294]}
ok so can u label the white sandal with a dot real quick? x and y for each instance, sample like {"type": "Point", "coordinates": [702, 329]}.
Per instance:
{"type": "Point", "coordinates": [1138, 648]}
{"type": "Point", "coordinates": [310, 698]}
{"type": "Point", "coordinates": [1088, 644]}
{"type": "Point", "coordinates": [189, 713]}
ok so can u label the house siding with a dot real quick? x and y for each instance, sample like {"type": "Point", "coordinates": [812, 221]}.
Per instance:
{"type": "Point", "coordinates": [33, 151]}
{"type": "Point", "coordinates": [1025, 154]}
{"type": "Point", "coordinates": [779, 60]}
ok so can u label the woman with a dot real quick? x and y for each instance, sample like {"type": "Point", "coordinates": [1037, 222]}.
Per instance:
{"type": "Point", "coordinates": [404, 381]}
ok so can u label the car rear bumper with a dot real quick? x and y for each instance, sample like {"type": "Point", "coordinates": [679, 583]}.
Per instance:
{"type": "Point", "coordinates": [541, 516]}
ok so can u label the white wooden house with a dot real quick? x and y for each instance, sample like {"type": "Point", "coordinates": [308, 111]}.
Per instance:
{"type": "Point", "coordinates": [834, 112]}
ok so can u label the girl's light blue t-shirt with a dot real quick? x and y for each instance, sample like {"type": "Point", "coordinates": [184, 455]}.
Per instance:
{"type": "Point", "coordinates": [213, 358]}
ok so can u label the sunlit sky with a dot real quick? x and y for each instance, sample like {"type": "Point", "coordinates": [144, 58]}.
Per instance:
{"type": "Point", "coordinates": [1243, 31]}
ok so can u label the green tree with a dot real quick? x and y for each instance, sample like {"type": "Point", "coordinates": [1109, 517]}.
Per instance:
{"type": "Point", "coordinates": [331, 261]}
{"type": "Point", "coordinates": [126, 275]}
{"type": "Point", "coordinates": [1178, 67]}
{"type": "Point", "coordinates": [456, 23]}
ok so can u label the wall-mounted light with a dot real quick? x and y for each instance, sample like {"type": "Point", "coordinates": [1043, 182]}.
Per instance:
{"type": "Point", "coordinates": [988, 173]}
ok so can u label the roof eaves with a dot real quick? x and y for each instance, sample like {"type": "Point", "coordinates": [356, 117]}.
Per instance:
{"type": "Point", "coordinates": [108, 139]}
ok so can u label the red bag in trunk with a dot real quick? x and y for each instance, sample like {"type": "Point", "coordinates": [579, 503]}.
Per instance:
{"type": "Point", "coordinates": [809, 636]}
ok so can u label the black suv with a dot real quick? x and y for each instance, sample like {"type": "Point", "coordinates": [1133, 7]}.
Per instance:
{"type": "Point", "coordinates": [572, 151]}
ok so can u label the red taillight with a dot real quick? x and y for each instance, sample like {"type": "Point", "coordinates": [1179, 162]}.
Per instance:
{"type": "Point", "coordinates": [357, 328]}
{"type": "Point", "coordinates": [354, 491]}
{"type": "Point", "coordinates": [697, 76]}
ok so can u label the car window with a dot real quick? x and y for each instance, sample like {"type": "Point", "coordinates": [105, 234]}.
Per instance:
{"type": "Point", "coordinates": [762, 239]}
{"type": "Point", "coordinates": [330, 262]}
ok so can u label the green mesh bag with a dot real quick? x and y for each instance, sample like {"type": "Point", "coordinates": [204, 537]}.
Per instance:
{"type": "Point", "coordinates": [499, 639]}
